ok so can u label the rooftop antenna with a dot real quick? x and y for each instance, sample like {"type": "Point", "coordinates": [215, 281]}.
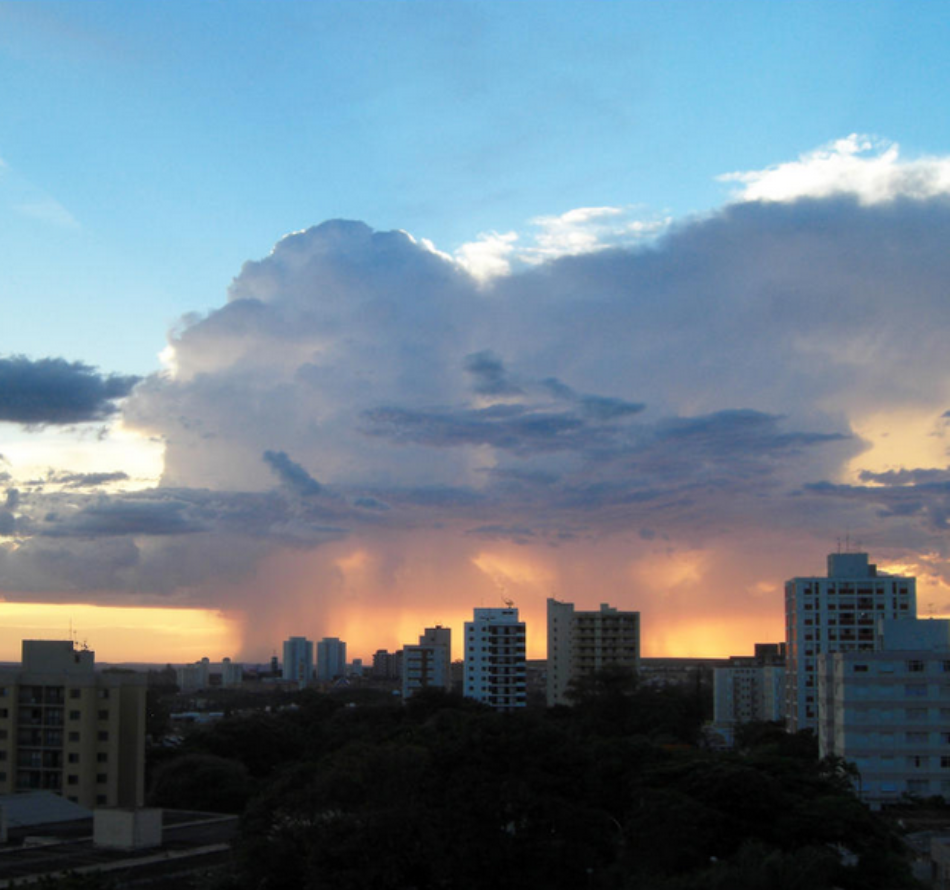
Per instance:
{"type": "Point", "coordinates": [839, 543]}
{"type": "Point", "coordinates": [509, 603]}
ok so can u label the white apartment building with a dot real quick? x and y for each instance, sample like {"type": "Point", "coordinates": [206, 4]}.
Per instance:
{"type": "Point", "coordinates": [750, 688]}
{"type": "Point", "coordinates": [581, 643]}
{"type": "Point", "coordinates": [298, 660]}
{"type": "Point", "coordinates": [494, 667]}
{"type": "Point", "coordinates": [838, 613]}
{"type": "Point", "coordinates": [68, 728]}
{"type": "Point", "coordinates": [888, 711]}
{"type": "Point", "coordinates": [331, 659]}
{"type": "Point", "coordinates": [428, 664]}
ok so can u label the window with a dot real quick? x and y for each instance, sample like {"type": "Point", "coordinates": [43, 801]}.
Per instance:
{"type": "Point", "coordinates": [945, 762]}
{"type": "Point", "coordinates": [4, 713]}
{"type": "Point", "coordinates": [102, 757]}
{"type": "Point", "coordinates": [915, 690]}
{"type": "Point", "coordinates": [102, 778]}
{"type": "Point", "coordinates": [915, 761]}
{"type": "Point", "coordinates": [73, 757]}
{"type": "Point", "coordinates": [103, 693]}
{"type": "Point", "coordinates": [74, 693]}
{"type": "Point", "coordinates": [101, 799]}
{"type": "Point", "coordinates": [74, 715]}
{"type": "Point", "coordinates": [860, 668]}
{"type": "Point", "coordinates": [918, 786]}
{"type": "Point", "coordinates": [74, 737]}
{"type": "Point", "coordinates": [72, 780]}
{"type": "Point", "coordinates": [104, 734]}
{"type": "Point", "coordinates": [917, 738]}
{"type": "Point", "coordinates": [104, 715]}
{"type": "Point", "coordinates": [915, 666]}
{"type": "Point", "coordinates": [945, 667]}
{"type": "Point", "coordinates": [916, 713]}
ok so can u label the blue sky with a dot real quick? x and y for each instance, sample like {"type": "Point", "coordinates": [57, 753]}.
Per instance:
{"type": "Point", "coordinates": [640, 302]}
{"type": "Point", "coordinates": [151, 148]}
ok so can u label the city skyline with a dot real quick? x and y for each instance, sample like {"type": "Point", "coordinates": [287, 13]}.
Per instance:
{"type": "Point", "coordinates": [345, 320]}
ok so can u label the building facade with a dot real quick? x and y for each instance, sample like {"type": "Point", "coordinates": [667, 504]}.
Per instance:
{"type": "Point", "coordinates": [68, 728]}
{"type": "Point", "coordinates": [749, 688]}
{"type": "Point", "coordinates": [331, 659]}
{"type": "Point", "coordinates": [495, 649]}
{"type": "Point", "coordinates": [837, 613]}
{"type": "Point", "coordinates": [582, 643]}
{"type": "Point", "coordinates": [298, 660]}
{"type": "Point", "coordinates": [428, 664]}
{"type": "Point", "coordinates": [888, 711]}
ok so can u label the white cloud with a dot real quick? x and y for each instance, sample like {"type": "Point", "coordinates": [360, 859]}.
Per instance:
{"type": "Point", "coordinates": [864, 166]}
{"type": "Point", "coordinates": [575, 232]}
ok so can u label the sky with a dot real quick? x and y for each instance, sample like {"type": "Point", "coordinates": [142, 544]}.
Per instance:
{"type": "Point", "coordinates": [341, 319]}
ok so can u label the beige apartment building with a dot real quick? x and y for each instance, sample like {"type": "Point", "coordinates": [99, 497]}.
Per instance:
{"type": "Point", "coordinates": [67, 728]}
{"type": "Point", "coordinates": [581, 643]}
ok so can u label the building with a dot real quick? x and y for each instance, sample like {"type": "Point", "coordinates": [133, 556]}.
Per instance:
{"type": "Point", "coordinates": [888, 711]}
{"type": "Point", "coordinates": [835, 614]}
{"type": "Point", "coordinates": [298, 660]}
{"type": "Point", "coordinates": [387, 665]}
{"type": "Point", "coordinates": [331, 659]}
{"type": "Point", "coordinates": [67, 728]}
{"type": "Point", "coordinates": [495, 647]}
{"type": "Point", "coordinates": [582, 643]}
{"type": "Point", "coordinates": [428, 665]}
{"type": "Point", "coordinates": [193, 677]}
{"type": "Point", "coordinates": [749, 688]}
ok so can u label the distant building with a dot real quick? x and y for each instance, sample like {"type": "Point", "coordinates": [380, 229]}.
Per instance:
{"type": "Point", "coordinates": [495, 648]}
{"type": "Point", "coordinates": [749, 688]}
{"type": "Point", "coordinates": [67, 728]}
{"type": "Point", "coordinates": [835, 614]}
{"type": "Point", "coordinates": [428, 664]}
{"type": "Point", "coordinates": [298, 660]}
{"type": "Point", "coordinates": [193, 677]}
{"type": "Point", "coordinates": [387, 665]}
{"type": "Point", "coordinates": [581, 643]}
{"type": "Point", "coordinates": [232, 673]}
{"type": "Point", "coordinates": [888, 711]}
{"type": "Point", "coordinates": [331, 659]}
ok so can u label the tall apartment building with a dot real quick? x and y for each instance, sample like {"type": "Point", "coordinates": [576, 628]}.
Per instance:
{"type": "Point", "coordinates": [581, 643]}
{"type": "Point", "coordinates": [750, 688]}
{"type": "Point", "coordinates": [495, 648]}
{"type": "Point", "coordinates": [298, 660]}
{"type": "Point", "coordinates": [387, 665]}
{"type": "Point", "coordinates": [888, 711]}
{"type": "Point", "coordinates": [67, 728]}
{"type": "Point", "coordinates": [331, 659]}
{"type": "Point", "coordinates": [428, 664]}
{"type": "Point", "coordinates": [835, 614]}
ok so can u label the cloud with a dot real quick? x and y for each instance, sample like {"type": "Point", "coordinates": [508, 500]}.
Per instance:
{"type": "Point", "coordinates": [291, 474]}
{"type": "Point", "coordinates": [670, 424]}
{"type": "Point", "coordinates": [54, 391]}
{"type": "Point", "coordinates": [859, 165]}
{"type": "Point", "coordinates": [88, 480]}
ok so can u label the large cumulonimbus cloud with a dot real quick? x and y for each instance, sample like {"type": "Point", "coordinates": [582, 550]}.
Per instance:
{"type": "Point", "coordinates": [608, 416]}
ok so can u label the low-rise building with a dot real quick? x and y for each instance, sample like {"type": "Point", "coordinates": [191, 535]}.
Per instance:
{"type": "Point", "coordinates": [428, 664]}
{"type": "Point", "coordinates": [749, 688]}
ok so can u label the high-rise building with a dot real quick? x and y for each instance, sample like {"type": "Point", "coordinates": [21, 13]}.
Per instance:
{"type": "Point", "coordinates": [298, 660]}
{"type": "Point", "coordinates": [835, 614]}
{"type": "Point", "coordinates": [581, 643]}
{"type": "Point", "coordinates": [888, 711]}
{"type": "Point", "coordinates": [428, 664]}
{"type": "Point", "coordinates": [193, 677]}
{"type": "Point", "coordinates": [331, 659]}
{"type": "Point", "coordinates": [68, 728]}
{"type": "Point", "coordinates": [495, 651]}
{"type": "Point", "coordinates": [749, 688]}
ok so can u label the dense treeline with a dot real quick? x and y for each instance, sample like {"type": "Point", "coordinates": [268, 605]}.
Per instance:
{"type": "Point", "coordinates": [613, 793]}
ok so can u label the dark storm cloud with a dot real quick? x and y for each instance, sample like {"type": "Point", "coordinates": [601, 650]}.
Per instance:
{"type": "Point", "coordinates": [905, 477]}
{"type": "Point", "coordinates": [54, 391]}
{"type": "Point", "coordinates": [88, 480]}
{"type": "Point", "coordinates": [12, 498]}
{"type": "Point", "coordinates": [491, 379]}
{"type": "Point", "coordinates": [928, 503]}
{"type": "Point", "coordinates": [291, 474]}
{"type": "Point", "coordinates": [123, 516]}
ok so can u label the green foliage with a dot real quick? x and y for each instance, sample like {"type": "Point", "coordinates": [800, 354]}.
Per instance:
{"type": "Point", "coordinates": [201, 782]}
{"type": "Point", "coordinates": [607, 794]}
